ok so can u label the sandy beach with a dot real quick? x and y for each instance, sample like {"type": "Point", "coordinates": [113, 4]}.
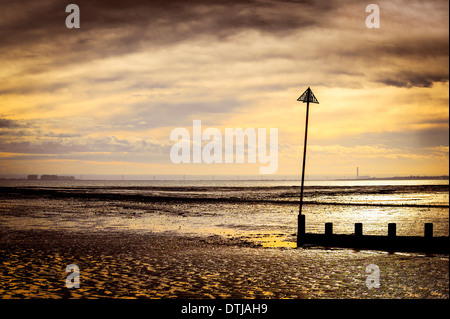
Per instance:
{"type": "Point", "coordinates": [130, 265]}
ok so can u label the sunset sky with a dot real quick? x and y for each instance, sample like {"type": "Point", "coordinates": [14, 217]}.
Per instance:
{"type": "Point", "coordinates": [104, 98]}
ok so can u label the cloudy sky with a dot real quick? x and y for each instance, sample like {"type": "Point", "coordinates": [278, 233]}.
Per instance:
{"type": "Point", "coordinates": [104, 98]}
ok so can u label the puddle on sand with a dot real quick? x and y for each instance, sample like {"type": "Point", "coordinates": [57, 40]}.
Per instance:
{"type": "Point", "coordinates": [271, 240]}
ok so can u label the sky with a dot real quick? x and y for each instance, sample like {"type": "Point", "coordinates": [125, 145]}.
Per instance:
{"type": "Point", "coordinates": [105, 97]}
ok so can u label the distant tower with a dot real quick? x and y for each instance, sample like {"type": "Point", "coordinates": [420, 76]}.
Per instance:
{"type": "Point", "coordinates": [357, 172]}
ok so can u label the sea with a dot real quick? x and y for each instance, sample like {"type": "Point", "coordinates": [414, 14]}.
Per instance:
{"type": "Point", "coordinates": [260, 211]}
{"type": "Point", "coordinates": [216, 239]}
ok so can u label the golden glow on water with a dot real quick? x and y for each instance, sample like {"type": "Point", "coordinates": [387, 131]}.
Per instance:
{"type": "Point", "coordinates": [271, 240]}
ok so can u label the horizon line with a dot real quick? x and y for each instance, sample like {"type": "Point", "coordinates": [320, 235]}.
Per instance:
{"type": "Point", "coordinates": [217, 177]}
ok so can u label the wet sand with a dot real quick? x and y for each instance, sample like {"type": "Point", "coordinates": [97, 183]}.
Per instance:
{"type": "Point", "coordinates": [164, 265]}
{"type": "Point", "coordinates": [184, 243]}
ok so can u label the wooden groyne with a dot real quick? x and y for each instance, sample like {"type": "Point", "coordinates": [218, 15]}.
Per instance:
{"type": "Point", "coordinates": [390, 243]}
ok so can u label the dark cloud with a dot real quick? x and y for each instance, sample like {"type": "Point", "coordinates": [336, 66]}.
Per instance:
{"type": "Point", "coordinates": [415, 47]}
{"type": "Point", "coordinates": [413, 79]}
{"type": "Point", "coordinates": [108, 144]}
{"type": "Point", "coordinates": [405, 139]}
{"type": "Point", "coordinates": [419, 52]}
{"type": "Point", "coordinates": [35, 30]}
{"type": "Point", "coordinates": [34, 33]}
{"type": "Point", "coordinates": [406, 61]}
{"type": "Point", "coordinates": [114, 27]}
{"type": "Point", "coordinates": [6, 123]}
{"type": "Point", "coordinates": [431, 137]}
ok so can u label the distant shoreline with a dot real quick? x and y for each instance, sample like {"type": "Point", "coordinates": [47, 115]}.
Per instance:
{"type": "Point", "coordinates": [240, 179]}
{"type": "Point", "coordinates": [444, 177]}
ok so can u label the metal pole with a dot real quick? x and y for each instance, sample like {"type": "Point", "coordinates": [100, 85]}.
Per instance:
{"type": "Point", "coordinates": [304, 152]}
{"type": "Point", "coordinates": [301, 218]}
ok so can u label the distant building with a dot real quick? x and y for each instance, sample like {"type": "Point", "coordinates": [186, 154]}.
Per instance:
{"type": "Point", "coordinates": [361, 177]}
{"type": "Point", "coordinates": [32, 177]}
{"type": "Point", "coordinates": [49, 177]}
{"type": "Point", "coordinates": [56, 177]}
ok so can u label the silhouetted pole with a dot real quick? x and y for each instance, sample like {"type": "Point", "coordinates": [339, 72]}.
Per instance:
{"type": "Point", "coordinates": [304, 152]}
{"type": "Point", "coordinates": [307, 97]}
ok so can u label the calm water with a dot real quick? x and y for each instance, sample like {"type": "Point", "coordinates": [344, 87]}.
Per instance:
{"type": "Point", "coordinates": [94, 216]}
{"type": "Point", "coordinates": [264, 211]}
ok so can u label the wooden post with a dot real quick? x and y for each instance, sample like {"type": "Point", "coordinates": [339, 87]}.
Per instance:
{"type": "Point", "coordinates": [328, 229]}
{"type": "Point", "coordinates": [392, 230]}
{"type": "Point", "coordinates": [358, 229]}
{"type": "Point", "coordinates": [428, 230]}
{"type": "Point", "coordinates": [301, 230]}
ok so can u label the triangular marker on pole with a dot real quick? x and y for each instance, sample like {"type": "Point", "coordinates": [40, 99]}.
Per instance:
{"type": "Point", "coordinates": [304, 97]}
